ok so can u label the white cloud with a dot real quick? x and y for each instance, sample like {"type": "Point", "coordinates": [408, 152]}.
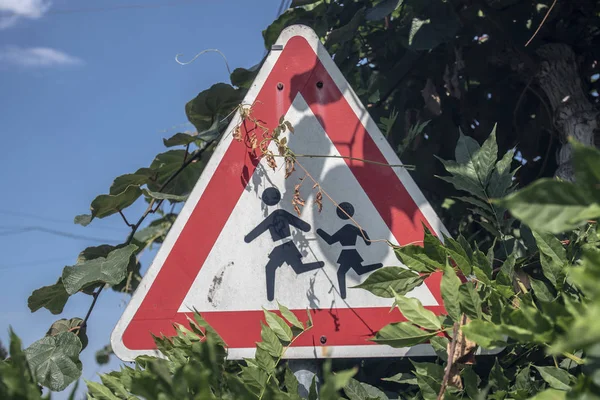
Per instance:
{"type": "Point", "coordinates": [13, 10]}
{"type": "Point", "coordinates": [36, 57]}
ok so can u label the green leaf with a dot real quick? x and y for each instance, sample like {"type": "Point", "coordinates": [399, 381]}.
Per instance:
{"type": "Point", "coordinates": [99, 391]}
{"type": "Point", "coordinates": [523, 379]}
{"type": "Point", "coordinates": [219, 99]}
{"type": "Point", "coordinates": [83, 219]}
{"type": "Point", "coordinates": [69, 325]}
{"type": "Point", "coordinates": [264, 360]}
{"type": "Point", "coordinates": [450, 293]}
{"type": "Point", "coordinates": [552, 206]}
{"type": "Point", "coordinates": [497, 379]}
{"type": "Point", "coordinates": [471, 382]}
{"type": "Point", "coordinates": [279, 326]}
{"type": "Point", "coordinates": [403, 378]}
{"type": "Point", "coordinates": [139, 178]}
{"type": "Point", "coordinates": [166, 164]}
{"type": "Point", "coordinates": [54, 360]}
{"type": "Point", "coordinates": [356, 390]}
{"type": "Point", "coordinates": [484, 333]}
{"type": "Point", "coordinates": [243, 78]}
{"type": "Point", "coordinates": [16, 380]}
{"type": "Point", "coordinates": [484, 160]}
{"type": "Point", "coordinates": [402, 334]}
{"type": "Point", "coordinates": [108, 204]}
{"type": "Point", "coordinates": [429, 378]}
{"type": "Point", "coordinates": [555, 377]}
{"type": "Point", "coordinates": [413, 310]}
{"type": "Point", "coordinates": [173, 198]}
{"type": "Point", "coordinates": [587, 168]}
{"type": "Point", "coordinates": [550, 394]}
{"type": "Point", "coordinates": [290, 381]}
{"type": "Point", "coordinates": [470, 302]}
{"type": "Point", "coordinates": [111, 270]}
{"type": "Point", "coordinates": [382, 10]}
{"type": "Point", "coordinates": [53, 298]}
{"type": "Point", "coordinates": [440, 346]}
{"type": "Point", "coordinates": [270, 342]}
{"type": "Point", "coordinates": [312, 391]}
{"type": "Point", "coordinates": [552, 256]}
{"type": "Point", "coordinates": [290, 316]}
{"type": "Point", "coordinates": [254, 377]}
{"type": "Point", "coordinates": [463, 178]}
{"type": "Point", "coordinates": [385, 281]}
{"type": "Point", "coordinates": [501, 179]}
{"type": "Point", "coordinates": [180, 139]}
{"type": "Point", "coordinates": [541, 290]}
{"type": "Point", "coordinates": [346, 32]}
{"type": "Point", "coordinates": [417, 259]}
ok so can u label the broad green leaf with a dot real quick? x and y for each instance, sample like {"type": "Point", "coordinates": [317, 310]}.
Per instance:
{"type": "Point", "coordinates": [312, 391]}
{"type": "Point", "coordinates": [413, 310]}
{"type": "Point", "coordinates": [111, 270]}
{"type": "Point", "coordinates": [279, 326]}
{"type": "Point", "coordinates": [173, 198]}
{"type": "Point", "coordinates": [552, 206]}
{"type": "Point", "coordinates": [290, 381]}
{"type": "Point", "coordinates": [470, 302]}
{"type": "Point", "coordinates": [486, 207]}
{"type": "Point", "coordinates": [450, 293]}
{"type": "Point", "coordinates": [557, 378]}
{"type": "Point", "coordinates": [219, 99]}
{"type": "Point", "coordinates": [481, 276]}
{"type": "Point", "coordinates": [290, 316]}
{"type": "Point", "coordinates": [109, 204]}
{"type": "Point", "coordinates": [53, 298]}
{"type": "Point", "coordinates": [403, 378]}
{"type": "Point", "coordinates": [484, 333]}
{"type": "Point", "coordinates": [270, 342]}
{"type": "Point", "coordinates": [523, 379]}
{"type": "Point", "coordinates": [456, 252]}
{"type": "Point", "coordinates": [93, 252]}
{"type": "Point", "coordinates": [384, 280]}
{"type": "Point", "coordinates": [484, 160]}
{"type": "Point", "coordinates": [138, 178]}
{"type": "Point", "coordinates": [69, 325]}
{"type": "Point", "coordinates": [552, 256]}
{"type": "Point", "coordinates": [402, 334]}
{"type": "Point", "coordinates": [463, 178]}
{"type": "Point", "coordinates": [440, 346]}
{"type": "Point", "coordinates": [587, 168]}
{"type": "Point", "coordinates": [99, 391]}
{"type": "Point", "coordinates": [416, 258]}
{"type": "Point", "coordinates": [550, 394]}
{"type": "Point", "coordinates": [180, 139]}
{"type": "Point", "coordinates": [497, 378]}
{"type": "Point", "coordinates": [166, 164]}
{"type": "Point", "coordinates": [54, 360]}
{"type": "Point", "coordinates": [254, 378]}
{"type": "Point", "coordinates": [356, 390]}
{"type": "Point", "coordinates": [501, 179]}
{"type": "Point", "coordinates": [264, 360]}
{"type": "Point", "coordinates": [541, 290]}
{"type": "Point", "coordinates": [382, 9]}
{"type": "Point", "coordinates": [429, 378]}
{"type": "Point", "coordinates": [16, 379]}
{"type": "Point", "coordinates": [243, 78]}
{"type": "Point", "coordinates": [471, 382]}
{"type": "Point", "coordinates": [83, 219]}
{"type": "Point", "coordinates": [465, 148]}
{"type": "Point", "coordinates": [156, 231]}
{"type": "Point", "coordinates": [346, 32]}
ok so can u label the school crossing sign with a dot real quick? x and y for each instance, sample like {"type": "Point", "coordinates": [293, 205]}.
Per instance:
{"type": "Point", "coordinates": [239, 245]}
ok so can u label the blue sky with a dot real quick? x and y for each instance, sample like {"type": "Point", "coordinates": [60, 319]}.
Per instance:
{"type": "Point", "coordinates": [87, 95]}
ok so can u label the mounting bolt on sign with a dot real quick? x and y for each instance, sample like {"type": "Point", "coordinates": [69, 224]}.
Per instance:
{"type": "Point", "coordinates": [239, 245]}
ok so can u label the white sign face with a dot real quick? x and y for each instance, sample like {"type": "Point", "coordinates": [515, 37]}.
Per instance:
{"type": "Point", "coordinates": [239, 245]}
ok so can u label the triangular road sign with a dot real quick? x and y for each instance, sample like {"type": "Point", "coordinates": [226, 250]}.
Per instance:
{"type": "Point", "coordinates": [238, 245]}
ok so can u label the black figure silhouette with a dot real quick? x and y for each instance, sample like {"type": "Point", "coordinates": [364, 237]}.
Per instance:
{"type": "Point", "coordinates": [278, 224]}
{"type": "Point", "coordinates": [346, 236]}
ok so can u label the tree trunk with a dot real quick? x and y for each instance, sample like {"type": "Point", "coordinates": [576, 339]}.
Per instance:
{"type": "Point", "coordinates": [574, 114]}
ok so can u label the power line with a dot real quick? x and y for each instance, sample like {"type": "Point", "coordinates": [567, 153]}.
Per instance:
{"type": "Point", "coordinates": [54, 232]}
{"type": "Point", "coordinates": [119, 7]}
{"type": "Point", "coordinates": [48, 219]}
{"type": "Point", "coordinates": [34, 263]}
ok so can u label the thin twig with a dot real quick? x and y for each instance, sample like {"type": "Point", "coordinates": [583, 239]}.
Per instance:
{"type": "Point", "coordinates": [405, 166]}
{"type": "Point", "coordinates": [148, 211]}
{"type": "Point", "coordinates": [450, 360]}
{"type": "Point", "coordinates": [125, 219]}
{"type": "Point", "coordinates": [542, 23]}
